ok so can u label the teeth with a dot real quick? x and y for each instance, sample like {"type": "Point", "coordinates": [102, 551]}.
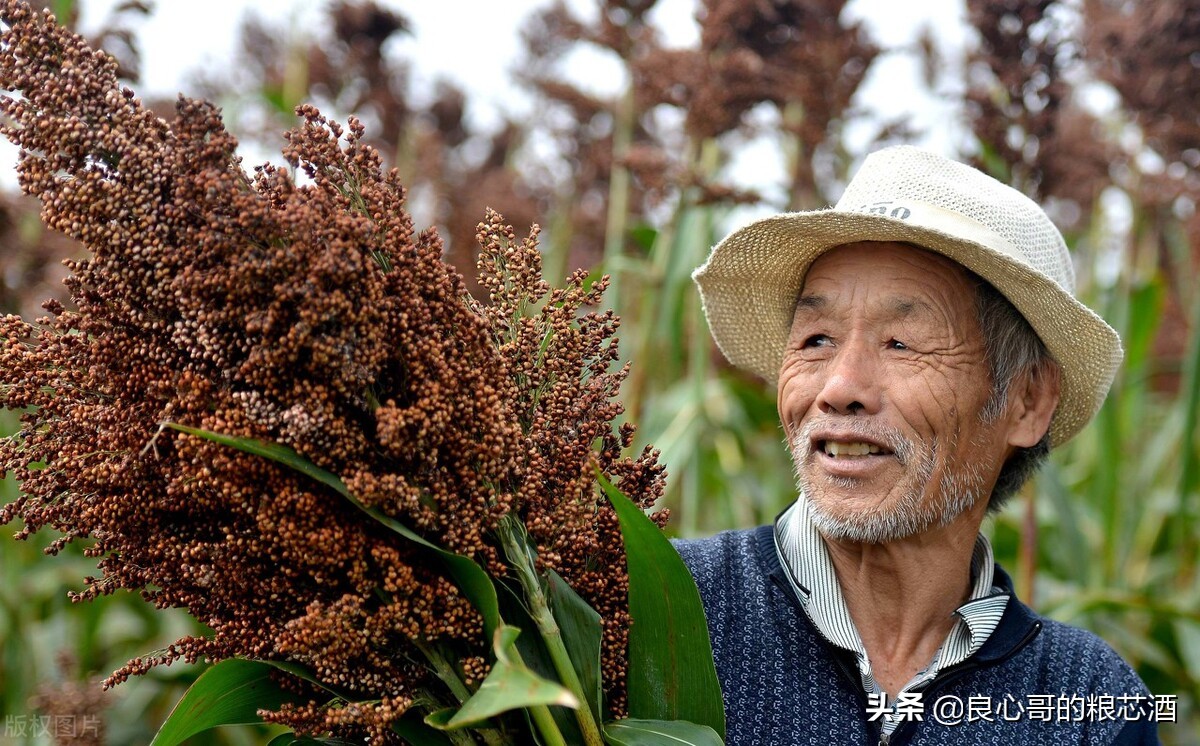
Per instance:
{"type": "Point", "coordinates": [834, 448]}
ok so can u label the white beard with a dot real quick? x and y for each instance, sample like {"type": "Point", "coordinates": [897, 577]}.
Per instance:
{"type": "Point", "coordinates": [957, 490]}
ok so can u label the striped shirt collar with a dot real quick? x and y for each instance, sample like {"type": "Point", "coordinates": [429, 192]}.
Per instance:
{"type": "Point", "coordinates": [809, 568]}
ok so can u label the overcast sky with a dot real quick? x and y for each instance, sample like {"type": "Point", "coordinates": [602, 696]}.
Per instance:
{"type": "Point", "coordinates": [476, 44]}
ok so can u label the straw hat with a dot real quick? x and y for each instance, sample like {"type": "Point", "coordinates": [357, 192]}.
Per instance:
{"type": "Point", "coordinates": [750, 282]}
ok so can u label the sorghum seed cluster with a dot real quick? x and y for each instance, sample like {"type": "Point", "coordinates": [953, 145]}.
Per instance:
{"type": "Point", "coordinates": [306, 312]}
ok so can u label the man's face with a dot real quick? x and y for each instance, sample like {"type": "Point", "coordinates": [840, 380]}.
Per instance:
{"type": "Point", "coordinates": [882, 383]}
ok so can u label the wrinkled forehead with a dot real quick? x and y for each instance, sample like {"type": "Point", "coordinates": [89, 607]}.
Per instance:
{"type": "Point", "coordinates": [892, 253]}
{"type": "Point", "coordinates": [908, 275]}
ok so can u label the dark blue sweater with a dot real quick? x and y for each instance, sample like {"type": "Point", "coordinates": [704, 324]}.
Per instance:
{"type": "Point", "coordinates": [785, 685]}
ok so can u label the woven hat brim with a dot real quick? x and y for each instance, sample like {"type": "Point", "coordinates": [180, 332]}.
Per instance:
{"type": "Point", "coordinates": [750, 283]}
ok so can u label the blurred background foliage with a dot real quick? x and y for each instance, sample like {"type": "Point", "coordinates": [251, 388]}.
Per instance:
{"type": "Point", "coordinates": [636, 185]}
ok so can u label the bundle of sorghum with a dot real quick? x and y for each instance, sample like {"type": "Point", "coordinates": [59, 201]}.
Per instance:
{"type": "Point", "coordinates": [304, 312]}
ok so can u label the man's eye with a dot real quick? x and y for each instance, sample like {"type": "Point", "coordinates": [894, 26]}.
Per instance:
{"type": "Point", "coordinates": [816, 340]}
{"type": "Point", "coordinates": [896, 344]}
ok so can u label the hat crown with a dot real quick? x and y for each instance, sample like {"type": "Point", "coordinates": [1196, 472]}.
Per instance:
{"type": "Point", "coordinates": [907, 183]}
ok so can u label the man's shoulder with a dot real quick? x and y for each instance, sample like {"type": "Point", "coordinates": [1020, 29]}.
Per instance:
{"type": "Point", "coordinates": [735, 551]}
{"type": "Point", "coordinates": [1072, 669]}
{"type": "Point", "coordinates": [732, 538]}
{"type": "Point", "coordinates": [732, 571]}
{"type": "Point", "coordinates": [1063, 652]}
{"type": "Point", "coordinates": [1086, 659]}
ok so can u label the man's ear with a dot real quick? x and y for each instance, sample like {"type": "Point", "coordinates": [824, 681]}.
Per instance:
{"type": "Point", "coordinates": [1032, 401]}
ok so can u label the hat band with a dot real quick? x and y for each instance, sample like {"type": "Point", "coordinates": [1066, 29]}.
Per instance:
{"type": "Point", "coordinates": [935, 217]}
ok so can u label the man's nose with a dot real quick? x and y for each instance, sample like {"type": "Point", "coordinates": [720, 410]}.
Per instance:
{"type": "Point", "coordinates": [852, 383]}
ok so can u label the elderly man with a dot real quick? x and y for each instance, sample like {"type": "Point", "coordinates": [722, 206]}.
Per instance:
{"type": "Point", "coordinates": [928, 353]}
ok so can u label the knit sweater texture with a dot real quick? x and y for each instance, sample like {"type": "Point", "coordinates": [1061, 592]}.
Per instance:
{"type": "Point", "coordinates": [784, 685]}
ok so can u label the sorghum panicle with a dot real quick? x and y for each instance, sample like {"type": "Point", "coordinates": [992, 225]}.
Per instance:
{"type": "Point", "coordinates": [307, 312]}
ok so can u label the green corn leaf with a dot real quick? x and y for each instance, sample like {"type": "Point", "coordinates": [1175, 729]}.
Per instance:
{"type": "Point", "coordinates": [510, 685]}
{"type": "Point", "coordinates": [659, 733]}
{"type": "Point", "coordinates": [470, 577]}
{"type": "Point", "coordinates": [229, 693]}
{"type": "Point", "coordinates": [671, 670]}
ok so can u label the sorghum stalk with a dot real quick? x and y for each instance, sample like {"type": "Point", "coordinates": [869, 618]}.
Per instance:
{"type": "Point", "coordinates": [517, 551]}
{"type": "Point", "coordinates": [448, 675]}
{"type": "Point", "coordinates": [618, 194]}
{"type": "Point", "coordinates": [544, 721]}
{"type": "Point", "coordinates": [461, 738]}
{"type": "Point", "coordinates": [444, 670]}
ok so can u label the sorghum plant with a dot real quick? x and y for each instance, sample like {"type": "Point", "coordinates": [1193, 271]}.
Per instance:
{"type": "Point", "coordinates": [298, 310]}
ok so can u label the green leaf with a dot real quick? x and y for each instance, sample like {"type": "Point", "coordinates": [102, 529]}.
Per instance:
{"type": "Point", "coordinates": [275, 96]}
{"type": "Point", "coordinates": [63, 10]}
{"type": "Point", "coordinates": [417, 733]}
{"type": "Point", "coordinates": [409, 726]}
{"type": "Point", "coordinates": [303, 672]}
{"type": "Point", "coordinates": [1187, 631]}
{"type": "Point", "coordinates": [671, 671]}
{"type": "Point", "coordinates": [470, 577]}
{"type": "Point", "coordinates": [509, 686]}
{"type": "Point", "coordinates": [230, 693]}
{"type": "Point", "coordinates": [644, 236]}
{"type": "Point", "coordinates": [440, 719]}
{"type": "Point", "coordinates": [1144, 307]}
{"type": "Point", "coordinates": [633, 732]}
{"type": "Point", "coordinates": [534, 654]}
{"type": "Point", "coordinates": [581, 632]}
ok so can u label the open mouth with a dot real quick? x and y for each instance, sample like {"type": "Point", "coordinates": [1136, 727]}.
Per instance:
{"type": "Point", "coordinates": [845, 449]}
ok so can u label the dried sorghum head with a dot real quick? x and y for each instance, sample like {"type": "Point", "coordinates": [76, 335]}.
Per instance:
{"type": "Point", "coordinates": [297, 306]}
